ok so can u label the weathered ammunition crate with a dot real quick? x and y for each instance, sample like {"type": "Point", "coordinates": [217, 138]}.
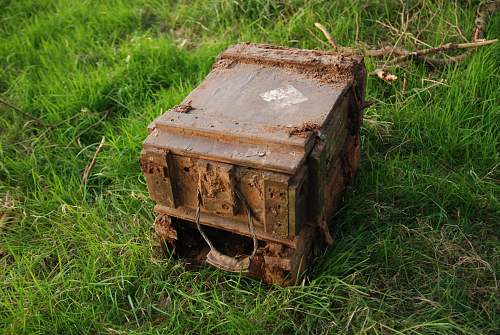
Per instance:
{"type": "Point", "coordinates": [248, 169]}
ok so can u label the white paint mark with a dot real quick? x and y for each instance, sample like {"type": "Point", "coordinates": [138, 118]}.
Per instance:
{"type": "Point", "coordinates": [284, 96]}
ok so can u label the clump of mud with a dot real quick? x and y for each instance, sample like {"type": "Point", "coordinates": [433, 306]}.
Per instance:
{"type": "Point", "coordinates": [304, 129]}
{"type": "Point", "coordinates": [327, 67]}
{"type": "Point", "coordinates": [185, 107]}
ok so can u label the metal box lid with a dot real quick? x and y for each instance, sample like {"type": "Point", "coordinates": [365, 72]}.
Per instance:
{"type": "Point", "coordinates": [261, 106]}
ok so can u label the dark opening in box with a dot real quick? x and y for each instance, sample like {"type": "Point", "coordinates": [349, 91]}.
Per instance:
{"type": "Point", "coordinates": [191, 246]}
{"type": "Point", "coordinates": [270, 260]}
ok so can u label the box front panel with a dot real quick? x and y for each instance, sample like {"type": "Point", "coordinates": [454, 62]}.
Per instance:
{"type": "Point", "coordinates": [175, 181]}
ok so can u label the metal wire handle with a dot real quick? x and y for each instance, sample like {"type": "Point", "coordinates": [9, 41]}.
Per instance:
{"type": "Point", "coordinates": [214, 253]}
{"type": "Point", "coordinates": [251, 226]}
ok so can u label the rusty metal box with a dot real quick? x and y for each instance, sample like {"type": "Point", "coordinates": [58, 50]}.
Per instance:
{"type": "Point", "coordinates": [248, 169]}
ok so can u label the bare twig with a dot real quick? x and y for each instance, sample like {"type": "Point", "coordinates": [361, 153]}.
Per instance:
{"type": "Point", "coordinates": [457, 28]}
{"type": "Point", "coordinates": [56, 125]}
{"type": "Point", "coordinates": [95, 124]}
{"type": "Point", "coordinates": [20, 111]}
{"type": "Point", "coordinates": [90, 166]}
{"type": "Point", "coordinates": [444, 47]}
{"type": "Point", "coordinates": [385, 51]}
{"type": "Point", "coordinates": [317, 38]}
{"type": "Point", "coordinates": [396, 31]}
{"type": "Point", "coordinates": [6, 204]}
{"type": "Point", "coordinates": [483, 12]}
{"type": "Point", "coordinates": [396, 56]}
{"type": "Point", "coordinates": [327, 35]}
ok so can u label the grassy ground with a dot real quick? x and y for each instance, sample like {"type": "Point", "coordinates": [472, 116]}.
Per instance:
{"type": "Point", "coordinates": [417, 237]}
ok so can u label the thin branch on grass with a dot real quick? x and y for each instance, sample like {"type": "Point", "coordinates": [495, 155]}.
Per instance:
{"type": "Point", "coordinates": [7, 203]}
{"type": "Point", "coordinates": [484, 11]}
{"type": "Point", "coordinates": [56, 125]}
{"type": "Point", "coordinates": [90, 166]}
{"type": "Point", "coordinates": [385, 51]}
{"type": "Point", "coordinates": [327, 35]}
{"type": "Point", "coordinates": [443, 47]}
{"type": "Point", "coordinates": [49, 128]}
{"type": "Point", "coordinates": [95, 124]}
{"type": "Point", "coordinates": [396, 31]}
{"type": "Point", "coordinates": [20, 111]}
{"type": "Point", "coordinates": [317, 38]}
{"type": "Point", "coordinates": [400, 56]}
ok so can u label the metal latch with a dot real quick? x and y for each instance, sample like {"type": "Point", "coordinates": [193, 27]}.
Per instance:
{"type": "Point", "coordinates": [154, 164]}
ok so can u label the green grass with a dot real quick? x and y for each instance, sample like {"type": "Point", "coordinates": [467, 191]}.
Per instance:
{"type": "Point", "coordinates": [416, 248]}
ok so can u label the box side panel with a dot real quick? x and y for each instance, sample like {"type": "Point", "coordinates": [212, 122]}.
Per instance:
{"type": "Point", "coordinates": [324, 158]}
{"type": "Point", "coordinates": [334, 159]}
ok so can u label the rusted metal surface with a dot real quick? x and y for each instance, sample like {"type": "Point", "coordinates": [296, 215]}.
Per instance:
{"type": "Point", "coordinates": [273, 131]}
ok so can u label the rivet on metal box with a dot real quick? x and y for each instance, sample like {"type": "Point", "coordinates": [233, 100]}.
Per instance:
{"type": "Point", "coordinates": [247, 171]}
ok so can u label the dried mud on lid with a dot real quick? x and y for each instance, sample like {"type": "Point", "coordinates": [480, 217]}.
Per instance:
{"type": "Point", "coordinates": [327, 67]}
